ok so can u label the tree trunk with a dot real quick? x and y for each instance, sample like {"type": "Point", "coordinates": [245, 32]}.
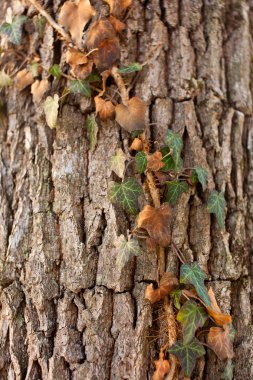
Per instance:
{"type": "Point", "coordinates": [66, 311]}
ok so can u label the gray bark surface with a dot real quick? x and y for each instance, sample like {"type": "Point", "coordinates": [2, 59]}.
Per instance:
{"type": "Point", "coordinates": [67, 312]}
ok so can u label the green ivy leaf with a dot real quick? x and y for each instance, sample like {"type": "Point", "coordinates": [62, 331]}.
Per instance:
{"type": "Point", "coordinates": [80, 87]}
{"type": "Point", "coordinates": [117, 162]}
{"type": "Point", "coordinates": [192, 274]}
{"type": "Point", "coordinates": [5, 79]}
{"type": "Point", "coordinates": [191, 316]}
{"type": "Point", "coordinates": [92, 129]}
{"type": "Point", "coordinates": [51, 106]}
{"type": "Point", "coordinates": [216, 205]}
{"type": "Point", "coordinates": [176, 295]}
{"type": "Point", "coordinates": [126, 194]}
{"type": "Point", "coordinates": [136, 133]}
{"type": "Point", "coordinates": [55, 71]}
{"type": "Point", "coordinates": [93, 77]}
{"type": "Point", "coordinates": [167, 159]}
{"type": "Point", "coordinates": [126, 250]}
{"type": "Point", "coordinates": [141, 162]}
{"type": "Point", "coordinates": [14, 30]}
{"type": "Point", "coordinates": [175, 143]}
{"type": "Point", "coordinates": [201, 175]}
{"type": "Point", "coordinates": [175, 190]}
{"type": "Point", "coordinates": [188, 354]}
{"type": "Point", "coordinates": [228, 372]}
{"type": "Point", "coordinates": [40, 24]}
{"type": "Point", "coordinates": [131, 68]}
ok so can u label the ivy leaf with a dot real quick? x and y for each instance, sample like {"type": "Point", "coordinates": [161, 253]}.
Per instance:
{"type": "Point", "coordinates": [131, 68]}
{"type": "Point", "coordinates": [126, 250]}
{"type": "Point", "coordinates": [188, 354]}
{"type": "Point", "coordinates": [92, 128]}
{"type": "Point", "coordinates": [191, 316]}
{"type": "Point", "coordinates": [175, 143]}
{"type": "Point", "coordinates": [219, 340]}
{"type": "Point", "coordinates": [228, 372]}
{"type": "Point", "coordinates": [141, 162]}
{"type": "Point", "coordinates": [51, 106]}
{"type": "Point", "coordinates": [5, 79]}
{"type": "Point", "coordinates": [94, 77]}
{"type": "Point", "coordinates": [117, 163]}
{"type": "Point", "coordinates": [176, 295]}
{"type": "Point", "coordinates": [80, 87]}
{"type": "Point", "coordinates": [126, 194]}
{"type": "Point", "coordinates": [167, 159]}
{"type": "Point", "coordinates": [201, 175]}
{"type": "Point", "coordinates": [192, 274]}
{"type": "Point", "coordinates": [40, 24]}
{"type": "Point", "coordinates": [14, 29]}
{"type": "Point", "coordinates": [216, 205]}
{"type": "Point", "coordinates": [55, 71]}
{"type": "Point", "coordinates": [175, 190]}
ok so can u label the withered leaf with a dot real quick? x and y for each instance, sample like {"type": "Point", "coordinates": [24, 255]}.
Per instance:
{"type": "Point", "coordinates": [156, 221]}
{"type": "Point", "coordinates": [108, 53]}
{"type": "Point", "coordinates": [117, 24]}
{"type": "Point", "coordinates": [168, 283]}
{"type": "Point", "coordinates": [215, 312]}
{"type": "Point", "coordinates": [24, 78]}
{"type": "Point", "coordinates": [155, 161]}
{"type": "Point", "coordinates": [162, 367]}
{"type": "Point", "coordinates": [74, 17]}
{"type": "Point", "coordinates": [38, 89]}
{"type": "Point", "coordinates": [218, 339]}
{"type": "Point", "coordinates": [132, 116]}
{"type": "Point", "coordinates": [117, 7]}
{"type": "Point", "coordinates": [104, 108]}
{"type": "Point", "coordinates": [136, 144]}
{"type": "Point", "coordinates": [81, 65]}
{"type": "Point", "coordinates": [100, 31]}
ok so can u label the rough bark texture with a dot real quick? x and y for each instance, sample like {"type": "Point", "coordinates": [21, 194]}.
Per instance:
{"type": "Point", "coordinates": [66, 311]}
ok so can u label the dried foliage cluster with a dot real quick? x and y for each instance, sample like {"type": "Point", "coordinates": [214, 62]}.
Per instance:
{"type": "Point", "coordinates": [92, 68]}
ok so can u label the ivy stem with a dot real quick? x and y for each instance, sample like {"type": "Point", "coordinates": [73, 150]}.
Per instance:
{"type": "Point", "coordinates": [121, 85]}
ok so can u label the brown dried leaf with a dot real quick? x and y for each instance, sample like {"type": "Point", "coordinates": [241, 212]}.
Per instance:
{"type": "Point", "coordinates": [117, 24]}
{"type": "Point", "coordinates": [81, 65]}
{"type": "Point", "coordinates": [117, 7]}
{"type": "Point", "coordinates": [100, 31]}
{"type": "Point", "coordinates": [104, 108]}
{"type": "Point", "coordinates": [108, 53]}
{"type": "Point", "coordinates": [155, 161]}
{"type": "Point", "coordinates": [136, 144]}
{"type": "Point", "coordinates": [156, 221]}
{"type": "Point", "coordinates": [132, 116]}
{"type": "Point", "coordinates": [162, 367]}
{"type": "Point", "coordinates": [219, 341]}
{"type": "Point", "coordinates": [24, 78]}
{"type": "Point", "coordinates": [168, 283]}
{"type": "Point", "coordinates": [215, 312]}
{"type": "Point", "coordinates": [74, 17]}
{"type": "Point", "coordinates": [38, 89]}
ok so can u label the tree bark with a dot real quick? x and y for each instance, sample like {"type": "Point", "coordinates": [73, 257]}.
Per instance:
{"type": "Point", "coordinates": [67, 312]}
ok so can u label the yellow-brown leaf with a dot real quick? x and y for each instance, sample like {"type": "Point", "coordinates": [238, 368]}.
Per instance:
{"type": "Point", "coordinates": [132, 116]}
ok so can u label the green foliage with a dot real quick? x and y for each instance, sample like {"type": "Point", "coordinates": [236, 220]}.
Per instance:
{"type": "Point", "coordinates": [201, 175]}
{"type": "Point", "coordinates": [14, 30]}
{"type": "Point", "coordinates": [192, 274]}
{"type": "Point", "coordinates": [92, 129]}
{"type": "Point", "coordinates": [175, 295]}
{"type": "Point", "coordinates": [40, 24]}
{"type": "Point", "coordinates": [126, 194]}
{"type": "Point", "coordinates": [93, 77]}
{"type": "Point", "coordinates": [188, 354]}
{"type": "Point", "coordinates": [191, 316]}
{"type": "Point", "coordinates": [131, 68]}
{"type": "Point", "coordinates": [175, 190]}
{"type": "Point", "coordinates": [126, 250]}
{"type": "Point", "coordinates": [216, 205]}
{"type": "Point", "coordinates": [117, 162]}
{"type": "Point", "coordinates": [141, 162]}
{"type": "Point", "coordinates": [228, 372]}
{"type": "Point", "coordinates": [55, 71]}
{"type": "Point", "coordinates": [167, 159]}
{"type": "Point", "coordinates": [77, 86]}
{"type": "Point", "coordinates": [175, 143]}
{"type": "Point", "coordinates": [136, 133]}
{"type": "Point", "coordinates": [5, 79]}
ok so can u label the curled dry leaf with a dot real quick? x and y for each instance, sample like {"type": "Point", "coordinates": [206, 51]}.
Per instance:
{"type": "Point", "coordinates": [162, 367]}
{"type": "Point", "coordinates": [24, 78]}
{"type": "Point", "coordinates": [156, 221]}
{"type": "Point", "coordinates": [132, 116]}
{"type": "Point", "coordinates": [38, 89]}
{"type": "Point", "coordinates": [100, 31]}
{"type": "Point", "coordinates": [81, 65]}
{"type": "Point", "coordinates": [168, 283]}
{"type": "Point", "coordinates": [219, 341]}
{"type": "Point", "coordinates": [117, 7]}
{"type": "Point", "coordinates": [104, 108]}
{"type": "Point", "coordinates": [136, 144]}
{"type": "Point", "coordinates": [117, 24]}
{"type": "Point", "coordinates": [75, 17]}
{"type": "Point", "coordinates": [155, 161]}
{"type": "Point", "coordinates": [215, 312]}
